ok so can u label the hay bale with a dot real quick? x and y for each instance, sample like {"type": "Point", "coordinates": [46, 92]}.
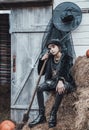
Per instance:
{"type": "Point", "coordinates": [65, 115]}
{"type": "Point", "coordinates": [80, 72]}
{"type": "Point", "coordinates": [82, 107]}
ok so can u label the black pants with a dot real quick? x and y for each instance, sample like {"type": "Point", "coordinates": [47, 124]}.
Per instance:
{"type": "Point", "coordinates": [40, 97]}
{"type": "Point", "coordinates": [50, 87]}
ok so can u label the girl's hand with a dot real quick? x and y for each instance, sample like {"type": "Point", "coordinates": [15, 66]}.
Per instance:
{"type": "Point", "coordinates": [46, 55]}
{"type": "Point", "coordinates": [60, 87]}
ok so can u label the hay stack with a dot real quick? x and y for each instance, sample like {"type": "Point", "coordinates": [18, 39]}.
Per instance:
{"type": "Point", "coordinates": [81, 76]}
{"type": "Point", "coordinates": [81, 71]}
{"type": "Point", "coordinates": [82, 107]}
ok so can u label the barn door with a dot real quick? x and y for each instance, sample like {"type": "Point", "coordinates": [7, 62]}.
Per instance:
{"type": "Point", "coordinates": [27, 27]}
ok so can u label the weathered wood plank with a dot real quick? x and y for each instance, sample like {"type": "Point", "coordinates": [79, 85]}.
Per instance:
{"type": "Point", "coordinates": [5, 55]}
{"type": "Point", "coordinates": [9, 4]}
{"type": "Point", "coordinates": [81, 50]}
{"type": "Point", "coordinates": [85, 18]}
{"type": "Point", "coordinates": [81, 41]}
{"type": "Point", "coordinates": [29, 44]}
{"type": "Point", "coordinates": [82, 35]}
{"type": "Point", "coordinates": [81, 28]}
{"type": "Point", "coordinates": [16, 1]}
{"type": "Point", "coordinates": [35, 20]}
{"type": "Point", "coordinates": [34, 23]}
{"type": "Point", "coordinates": [80, 3]}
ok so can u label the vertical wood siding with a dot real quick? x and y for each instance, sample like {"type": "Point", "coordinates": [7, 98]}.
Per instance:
{"type": "Point", "coordinates": [5, 47]}
{"type": "Point", "coordinates": [35, 19]}
{"type": "Point", "coordinates": [81, 34]}
{"type": "Point", "coordinates": [27, 27]}
{"type": "Point", "coordinates": [80, 3]}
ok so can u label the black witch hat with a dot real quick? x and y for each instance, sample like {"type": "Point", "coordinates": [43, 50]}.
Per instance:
{"type": "Point", "coordinates": [67, 16]}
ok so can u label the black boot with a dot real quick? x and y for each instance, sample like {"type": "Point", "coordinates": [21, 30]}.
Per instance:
{"type": "Point", "coordinates": [53, 118]}
{"type": "Point", "coordinates": [53, 114]}
{"type": "Point", "coordinates": [40, 119]}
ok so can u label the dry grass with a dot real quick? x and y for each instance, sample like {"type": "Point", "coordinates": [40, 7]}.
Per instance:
{"type": "Point", "coordinates": [81, 76]}
{"type": "Point", "coordinates": [82, 107]}
{"type": "Point", "coordinates": [66, 114]}
{"type": "Point", "coordinates": [81, 71]}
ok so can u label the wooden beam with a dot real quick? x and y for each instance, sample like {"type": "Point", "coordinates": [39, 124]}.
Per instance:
{"type": "Point", "coordinates": [9, 4]}
{"type": "Point", "coordinates": [16, 1]}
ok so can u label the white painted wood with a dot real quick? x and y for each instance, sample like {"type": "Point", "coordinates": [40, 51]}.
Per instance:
{"type": "Point", "coordinates": [17, 1]}
{"type": "Point", "coordinates": [80, 3]}
{"type": "Point", "coordinates": [81, 50]}
{"type": "Point", "coordinates": [85, 18]}
{"type": "Point", "coordinates": [81, 41]}
{"type": "Point", "coordinates": [27, 27]}
{"type": "Point", "coordinates": [17, 114]}
{"type": "Point", "coordinates": [83, 28]}
{"type": "Point", "coordinates": [28, 48]}
{"type": "Point", "coordinates": [82, 35]}
{"type": "Point", "coordinates": [30, 20]}
{"type": "Point", "coordinates": [5, 12]}
{"type": "Point", "coordinates": [80, 38]}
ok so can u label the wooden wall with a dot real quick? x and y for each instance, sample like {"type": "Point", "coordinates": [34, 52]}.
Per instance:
{"type": "Point", "coordinates": [5, 50]}
{"type": "Point", "coordinates": [81, 34]}
{"type": "Point", "coordinates": [16, 1]}
{"type": "Point", "coordinates": [9, 4]}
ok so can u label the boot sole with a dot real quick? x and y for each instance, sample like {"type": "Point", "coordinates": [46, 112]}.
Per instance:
{"type": "Point", "coordinates": [31, 126]}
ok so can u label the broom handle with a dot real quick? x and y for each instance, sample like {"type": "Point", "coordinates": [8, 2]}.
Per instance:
{"type": "Point", "coordinates": [42, 69]}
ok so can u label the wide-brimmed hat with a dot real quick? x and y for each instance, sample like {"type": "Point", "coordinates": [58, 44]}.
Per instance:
{"type": "Point", "coordinates": [54, 41]}
{"type": "Point", "coordinates": [67, 16]}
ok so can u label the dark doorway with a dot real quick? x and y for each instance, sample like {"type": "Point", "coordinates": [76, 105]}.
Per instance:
{"type": "Point", "coordinates": [5, 67]}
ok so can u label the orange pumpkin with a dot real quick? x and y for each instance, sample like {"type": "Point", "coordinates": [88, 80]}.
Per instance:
{"type": "Point", "coordinates": [87, 53]}
{"type": "Point", "coordinates": [7, 125]}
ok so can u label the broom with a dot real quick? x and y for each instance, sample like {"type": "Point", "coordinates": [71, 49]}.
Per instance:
{"type": "Point", "coordinates": [26, 115]}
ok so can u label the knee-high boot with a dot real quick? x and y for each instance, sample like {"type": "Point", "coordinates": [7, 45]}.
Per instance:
{"type": "Point", "coordinates": [53, 114]}
{"type": "Point", "coordinates": [41, 117]}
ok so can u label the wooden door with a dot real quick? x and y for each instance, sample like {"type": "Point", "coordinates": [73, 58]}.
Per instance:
{"type": "Point", "coordinates": [27, 27]}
